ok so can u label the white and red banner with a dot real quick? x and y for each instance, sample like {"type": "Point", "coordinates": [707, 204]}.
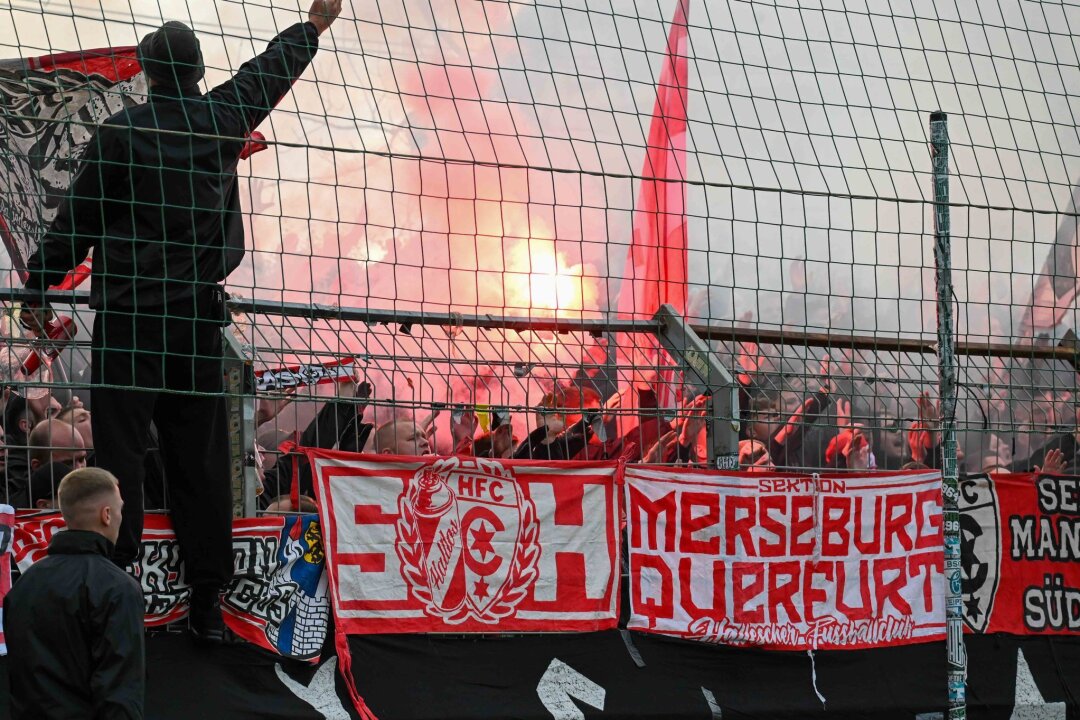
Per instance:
{"type": "Point", "coordinates": [467, 545]}
{"type": "Point", "coordinates": [786, 561]}
{"type": "Point", "coordinates": [7, 530]}
{"type": "Point", "coordinates": [277, 598]}
{"type": "Point", "coordinates": [296, 376]}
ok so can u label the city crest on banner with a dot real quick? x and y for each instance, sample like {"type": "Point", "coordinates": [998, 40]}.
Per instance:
{"type": "Point", "coordinates": [464, 544]}
{"type": "Point", "coordinates": [980, 548]}
{"type": "Point", "coordinates": [470, 553]}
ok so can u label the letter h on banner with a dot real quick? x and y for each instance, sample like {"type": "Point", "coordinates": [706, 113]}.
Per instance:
{"type": "Point", "coordinates": [574, 501]}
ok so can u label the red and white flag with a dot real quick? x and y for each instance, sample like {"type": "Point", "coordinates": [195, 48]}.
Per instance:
{"type": "Point", "coordinates": [468, 544]}
{"type": "Point", "coordinates": [1058, 286]}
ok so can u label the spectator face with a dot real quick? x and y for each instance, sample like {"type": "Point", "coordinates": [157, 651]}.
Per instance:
{"type": "Point", "coordinates": [43, 408]}
{"type": "Point", "coordinates": [67, 446]}
{"type": "Point", "coordinates": [891, 435]}
{"type": "Point", "coordinates": [80, 420]}
{"type": "Point", "coordinates": [764, 418]}
{"type": "Point", "coordinates": [502, 441]}
{"type": "Point", "coordinates": [407, 439]}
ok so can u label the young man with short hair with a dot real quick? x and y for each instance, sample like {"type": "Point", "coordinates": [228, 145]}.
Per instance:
{"type": "Point", "coordinates": [74, 621]}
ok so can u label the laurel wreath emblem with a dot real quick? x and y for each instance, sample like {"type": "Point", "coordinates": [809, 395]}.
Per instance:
{"type": "Point", "coordinates": [521, 576]}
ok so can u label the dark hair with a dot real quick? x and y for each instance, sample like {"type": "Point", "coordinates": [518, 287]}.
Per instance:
{"type": "Point", "coordinates": [16, 409]}
{"type": "Point", "coordinates": [45, 480]}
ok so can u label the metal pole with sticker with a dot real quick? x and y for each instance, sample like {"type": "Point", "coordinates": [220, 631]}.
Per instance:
{"type": "Point", "coordinates": [954, 619]}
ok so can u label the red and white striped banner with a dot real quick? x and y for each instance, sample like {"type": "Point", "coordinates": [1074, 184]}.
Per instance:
{"type": "Point", "coordinates": [468, 544]}
{"type": "Point", "coordinates": [7, 531]}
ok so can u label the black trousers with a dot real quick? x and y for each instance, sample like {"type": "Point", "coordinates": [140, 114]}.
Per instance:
{"type": "Point", "coordinates": [166, 369]}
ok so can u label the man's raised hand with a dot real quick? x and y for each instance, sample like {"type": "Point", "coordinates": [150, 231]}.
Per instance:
{"type": "Point", "coordinates": [323, 13]}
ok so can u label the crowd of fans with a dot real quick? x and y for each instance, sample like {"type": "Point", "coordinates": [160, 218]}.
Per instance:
{"type": "Point", "coordinates": [821, 428]}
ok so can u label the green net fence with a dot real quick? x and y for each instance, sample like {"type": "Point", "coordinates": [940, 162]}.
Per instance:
{"type": "Point", "coordinates": [478, 207]}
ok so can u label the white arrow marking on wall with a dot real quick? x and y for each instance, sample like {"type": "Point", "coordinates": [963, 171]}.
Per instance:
{"type": "Point", "coordinates": [320, 693]}
{"type": "Point", "coordinates": [1029, 703]}
{"type": "Point", "coordinates": [560, 683]}
{"type": "Point", "coordinates": [714, 707]}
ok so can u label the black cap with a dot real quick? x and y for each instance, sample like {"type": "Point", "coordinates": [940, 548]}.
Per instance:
{"type": "Point", "coordinates": [171, 55]}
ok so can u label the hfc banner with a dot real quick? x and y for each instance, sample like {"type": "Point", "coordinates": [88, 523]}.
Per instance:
{"type": "Point", "coordinates": [1020, 546]}
{"type": "Point", "coordinates": [786, 561]}
{"type": "Point", "coordinates": [278, 595]}
{"type": "Point", "coordinates": [468, 544]}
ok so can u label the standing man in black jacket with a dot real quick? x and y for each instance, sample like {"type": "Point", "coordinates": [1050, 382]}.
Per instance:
{"type": "Point", "coordinates": [156, 198]}
{"type": "Point", "coordinates": [74, 621]}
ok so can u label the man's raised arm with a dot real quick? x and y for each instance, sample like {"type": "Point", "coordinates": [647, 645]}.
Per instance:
{"type": "Point", "coordinates": [261, 83]}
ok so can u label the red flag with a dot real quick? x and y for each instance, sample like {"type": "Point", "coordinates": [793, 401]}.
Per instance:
{"type": "Point", "coordinates": [656, 264]}
{"type": "Point", "coordinates": [656, 271]}
{"type": "Point", "coordinates": [1057, 288]}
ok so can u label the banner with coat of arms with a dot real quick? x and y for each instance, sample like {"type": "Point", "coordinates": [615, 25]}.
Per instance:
{"type": "Point", "coordinates": [1020, 545]}
{"type": "Point", "coordinates": [468, 545]}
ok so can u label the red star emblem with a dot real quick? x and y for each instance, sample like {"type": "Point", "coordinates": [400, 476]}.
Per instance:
{"type": "Point", "coordinates": [480, 590]}
{"type": "Point", "coordinates": [482, 536]}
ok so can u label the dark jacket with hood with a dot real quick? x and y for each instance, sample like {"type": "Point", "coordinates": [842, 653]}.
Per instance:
{"type": "Point", "coordinates": [156, 194]}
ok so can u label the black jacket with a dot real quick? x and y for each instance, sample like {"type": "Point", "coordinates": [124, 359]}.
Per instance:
{"type": "Point", "coordinates": [74, 629]}
{"type": "Point", "coordinates": [566, 445]}
{"type": "Point", "coordinates": [156, 195]}
{"type": "Point", "coordinates": [1065, 442]}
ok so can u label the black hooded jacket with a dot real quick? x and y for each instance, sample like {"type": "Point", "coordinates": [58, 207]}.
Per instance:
{"type": "Point", "coordinates": [156, 194]}
{"type": "Point", "coordinates": [74, 629]}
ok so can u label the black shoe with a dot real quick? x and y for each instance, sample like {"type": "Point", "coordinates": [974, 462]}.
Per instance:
{"type": "Point", "coordinates": [204, 619]}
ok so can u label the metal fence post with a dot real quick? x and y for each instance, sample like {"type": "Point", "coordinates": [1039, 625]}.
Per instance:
{"type": "Point", "coordinates": [687, 348]}
{"type": "Point", "coordinates": [954, 622]}
{"type": "Point", "coordinates": [241, 424]}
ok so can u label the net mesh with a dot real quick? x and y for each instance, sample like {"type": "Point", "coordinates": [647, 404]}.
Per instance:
{"type": "Point", "coordinates": [439, 163]}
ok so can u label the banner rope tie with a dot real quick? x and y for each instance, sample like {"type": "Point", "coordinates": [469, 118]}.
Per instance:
{"type": "Point", "coordinates": [813, 677]}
